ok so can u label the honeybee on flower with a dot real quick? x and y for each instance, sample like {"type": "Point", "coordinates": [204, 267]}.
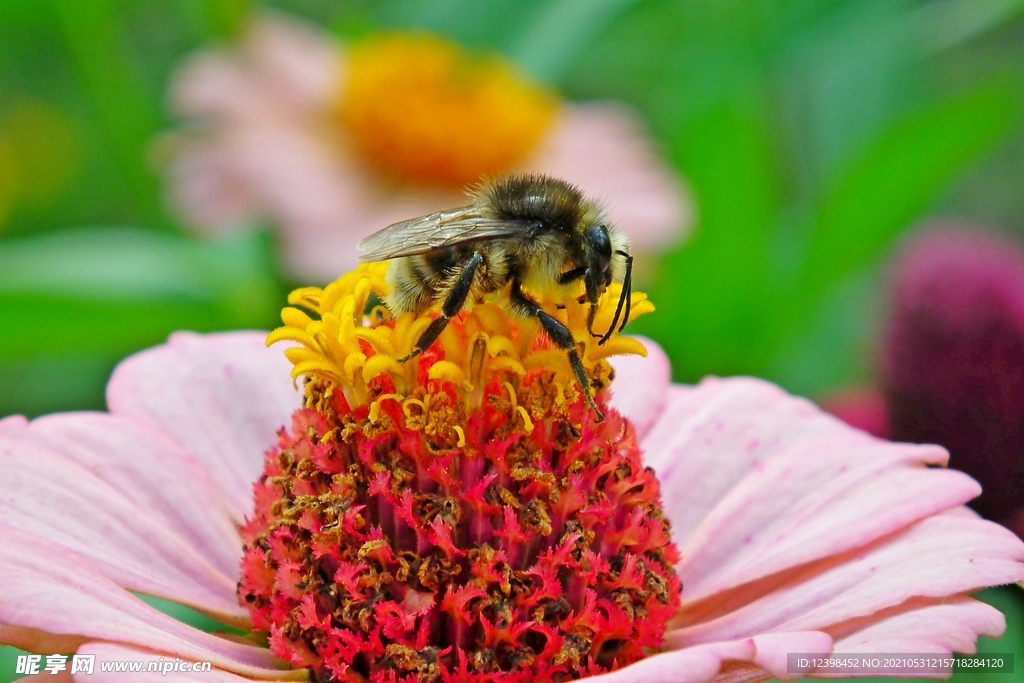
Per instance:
{"type": "Point", "coordinates": [520, 231]}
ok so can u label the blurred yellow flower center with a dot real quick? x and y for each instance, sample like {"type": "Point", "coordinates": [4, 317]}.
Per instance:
{"type": "Point", "coordinates": [356, 354]}
{"type": "Point", "coordinates": [423, 110]}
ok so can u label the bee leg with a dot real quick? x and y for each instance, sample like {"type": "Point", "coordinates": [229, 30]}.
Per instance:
{"type": "Point", "coordinates": [559, 334]}
{"type": "Point", "coordinates": [591, 314]}
{"type": "Point", "coordinates": [453, 303]}
{"type": "Point", "coordinates": [572, 275]}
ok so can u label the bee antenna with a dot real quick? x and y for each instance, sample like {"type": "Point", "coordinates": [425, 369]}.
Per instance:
{"type": "Point", "coordinates": [624, 298]}
{"type": "Point", "coordinates": [627, 288]}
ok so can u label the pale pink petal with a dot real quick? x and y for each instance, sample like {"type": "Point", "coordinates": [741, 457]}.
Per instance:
{"type": "Point", "coordinates": [215, 86]}
{"type": "Point", "coordinates": [12, 424]}
{"type": "Point", "coordinates": [814, 500]}
{"type": "Point", "coordinates": [279, 171]}
{"type": "Point", "coordinates": [150, 470]}
{"type": "Point", "coordinates": [53, 601]}
{"type": "Point", "coordinates": [718, 432]}
{"type": "Point", "coordinates": [265, 144]}
{"type": "Point", "coordinates": [773, 650]}
{"type": "Point", "coordinates": [206, 188]}
{"type": "Point", "coordinates": [297, 177]}
{"type": "Point", "coordinates": [781, 483]}
{"type": "Point", "coordinates": [220, 396]}
{"type": "Point", "coordinates": [297, 59]}
{"type": "Point", "coordinates": [692, 665]}
{"type": "Point", "coordinates": [952, 626]}
{"type": "Point", "coordinates": [110, 652]}
{"type": "Point", "coordinates": [52, 498]}
{"type": "Point", "coordinates": [285, 69]}
{"type": "Point", "coordinates": [703, 663]}
{"type": "Point", "coordinates": [944, 555]}
{"type": "Point", "coordinates": [605, 150]}
{"type": "Point", "coordinates": [641, 385]}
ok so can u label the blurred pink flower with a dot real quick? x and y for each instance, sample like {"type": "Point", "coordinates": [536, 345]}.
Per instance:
{"type": "Point", "coordinates": [797, 533]}
{"type": "Point", "coordinates": [266, 141]}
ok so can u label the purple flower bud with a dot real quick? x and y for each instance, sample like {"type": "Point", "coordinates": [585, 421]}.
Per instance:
{"type": "Point", "coordinates": [953, 361]}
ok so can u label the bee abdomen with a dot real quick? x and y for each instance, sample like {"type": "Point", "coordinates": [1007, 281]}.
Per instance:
{"type": "Point", "coordinates": [413, 285]}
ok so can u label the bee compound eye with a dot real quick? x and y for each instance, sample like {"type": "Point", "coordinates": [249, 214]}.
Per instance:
{"type": "Point", "coordinates": [600, 245]}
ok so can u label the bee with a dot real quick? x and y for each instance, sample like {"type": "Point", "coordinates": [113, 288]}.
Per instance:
{"type": "Point", "coordinates": [521, 231]}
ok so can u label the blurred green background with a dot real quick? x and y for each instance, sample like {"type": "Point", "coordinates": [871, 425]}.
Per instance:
{"type": "Point", "coordinates": [813, 133]}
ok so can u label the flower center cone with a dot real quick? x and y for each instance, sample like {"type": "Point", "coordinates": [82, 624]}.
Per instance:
{"type": "Point", "coordinates": [462, 516]}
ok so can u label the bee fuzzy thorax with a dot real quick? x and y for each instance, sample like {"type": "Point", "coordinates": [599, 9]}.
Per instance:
{"type": "Point", "coordinates": [462, 515]}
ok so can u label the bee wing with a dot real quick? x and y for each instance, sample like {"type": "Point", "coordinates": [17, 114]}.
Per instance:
{"type": "Point", "coordinates": [436, 231]}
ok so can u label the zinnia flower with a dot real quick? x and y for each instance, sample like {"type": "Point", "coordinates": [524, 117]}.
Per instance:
{"type": "Point", "coordinates": [464, 517]}
{"type": "Point", "coordinates": [331, 143]}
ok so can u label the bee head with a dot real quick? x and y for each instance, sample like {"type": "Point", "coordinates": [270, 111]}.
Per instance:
{"type": "Point", "coordinates": [598, 248]}
{"type": "Point", "coordinates": [608, 260]}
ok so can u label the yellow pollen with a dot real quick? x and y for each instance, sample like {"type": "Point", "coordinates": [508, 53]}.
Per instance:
{"type": "Point", "coordinates": [341, 343]}
{"type": "Point", "coordinates": [423, 110]}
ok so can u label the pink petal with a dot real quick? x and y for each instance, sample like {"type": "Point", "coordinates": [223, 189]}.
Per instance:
{"type": "Point", "coordinates": [215, 84]}
{"type": "Point", "coordinates": [715, 434]}
{"type": "Point", "coordinates": [641, 385]}
{"type": "Point", "coordinates": [205, 187]}
{"type": "Point", "coordinates": [814, 500]}
{"type": "Point", "coordinates": [953, 626]}
{"type": "Point", "coordinates": [12, 424]}
{"type": "Point", "coordinates": [53, 498]}
{"type": "Point", "coordinates": [151, 471]}
{"type": "Point", "coordinates": [770, 467]}
{"type": "Point", "coordinates": [704, 662]}
{"type": "Point", "coordinates": [110, 652]}
{"type": "Point", "coordinates": [297, 59]}
{"type": "Point", "coordinates": [692, 665]}
{"type": "Point", "coordinates": [605, 149]}
{"type": "Point", "coordinates": [220, 396]}
{"type": "Point", "coordinates": [773, 650]}
{"type": "Point", "coordinates": [285, 68]}
{"type": "Point", "coordinates": [53, 601]}
{"type": "Point", "coordinates": [942, 556]}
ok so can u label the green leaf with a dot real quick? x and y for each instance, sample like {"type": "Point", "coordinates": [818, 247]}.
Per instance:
{"type": "Point", "coordinates": [713, 301]}
{"type": "Point", "coordinates": [74, 303]}
{"type": "Point", "coordinates": [128, 112]}
{"type": "Point", "coordinates": [470, 22]}
{"type": "Point", "coordinates": [559, 32]}
{"type": "Point", "coordinates": [946, 24]}
{"type": "Point", "coordinates": [891, 182]}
